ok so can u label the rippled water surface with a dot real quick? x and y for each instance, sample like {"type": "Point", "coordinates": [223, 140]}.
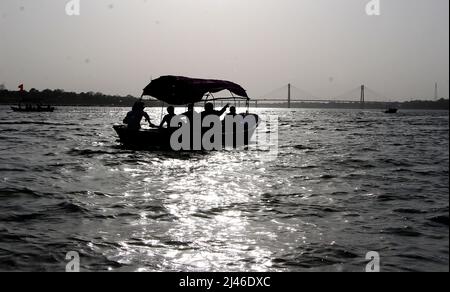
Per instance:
{"type": "Point", "coordinates": [344, 183]}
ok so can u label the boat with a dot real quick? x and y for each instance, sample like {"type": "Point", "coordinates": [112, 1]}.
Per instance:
{"type": "Point", "coordinates": [391, 111]}
{"type": "Point", "coordinates": [182, 91]}
{"type": "Point", "coordinates": [160, 138]}
{"type": "Point", "coordinates": [391, 108]}
{"type": "Point", "coordinates": [36, 109]}
{"type": "Point", "coordinates": [32, 105]}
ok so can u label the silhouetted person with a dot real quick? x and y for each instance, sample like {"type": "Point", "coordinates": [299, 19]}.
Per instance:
{"type": "Point", "coordinates": [209, 110]}
{"type": "Point", "coordinates": [168, 118]}
{"type": "Point", "coordinates": [134, 117]}
{"type": "Point", "coordinates": [190, 112]}
{"type": "Point", "coordinates": [232, 111]}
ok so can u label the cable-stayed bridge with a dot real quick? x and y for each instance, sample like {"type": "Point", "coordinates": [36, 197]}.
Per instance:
{"type": "Point", "coordinates": [290, 94]}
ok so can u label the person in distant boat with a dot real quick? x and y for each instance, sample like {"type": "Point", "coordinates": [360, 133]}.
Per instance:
{"type": "Point", "coordinates": [134, 117]}
{"type": "Point", "coordinates": [168, 118]}
{"type": "Point", "coordinates": [209, 110]}
{"type": "Point", "coordinates": [232, 111]}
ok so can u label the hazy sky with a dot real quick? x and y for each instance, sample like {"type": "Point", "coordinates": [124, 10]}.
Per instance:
{"type": "Point", "coordinates": [325, 47]}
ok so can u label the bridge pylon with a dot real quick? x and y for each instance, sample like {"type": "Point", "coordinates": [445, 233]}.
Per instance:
{"type": "Point", "coordinates": [363, 95]}
{"type": "Point", "coordinates": [289, 95]}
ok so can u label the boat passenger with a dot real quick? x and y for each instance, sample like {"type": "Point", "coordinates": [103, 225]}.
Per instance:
{"type": "Point", "coordinates": [168, 118]}
{"type": "Point", "coordinates": [190, 112]}
{"type": "Point", "coordinates": [209, 110]}
{"type": "Point", "coordinates": [232, 111]}
{"type": "Point", "coordinates": [134, 117]}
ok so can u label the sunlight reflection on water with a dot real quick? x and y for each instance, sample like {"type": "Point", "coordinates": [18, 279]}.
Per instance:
{"type": "Point", "coordinates": [337, 190]}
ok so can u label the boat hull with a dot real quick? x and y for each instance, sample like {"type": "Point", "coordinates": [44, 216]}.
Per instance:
{"type": "Point", "coordinates": [160, 138]}
{"type": "Point", "coordinates": [153, 138]}
{"type": "Point", "coordinates": [391, 111]}
{"type": "Point", "coordinates": [34, 110]}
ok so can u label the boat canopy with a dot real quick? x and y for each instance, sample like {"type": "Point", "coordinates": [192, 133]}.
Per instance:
{"type": "Point", "coordinates": [178, 90]}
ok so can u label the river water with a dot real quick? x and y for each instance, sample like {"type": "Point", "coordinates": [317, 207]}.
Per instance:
{"type": "Point", "coordinates": [345, 182]}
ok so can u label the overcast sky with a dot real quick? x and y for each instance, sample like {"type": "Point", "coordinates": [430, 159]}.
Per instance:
{"type": "Point", "coordinates": [325, 47]}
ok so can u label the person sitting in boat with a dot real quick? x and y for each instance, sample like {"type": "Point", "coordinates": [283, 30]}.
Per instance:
{"type": "Point", "coordinates": [134, 117]}
{"type": "Point", "coordinates": [190, 112]}
{"type": "Point", "coordinates": [209, 110]}
{"type": "Point", "coordinates": [232, 111]}
{"type": "Point", "coordinates": [168, 118]}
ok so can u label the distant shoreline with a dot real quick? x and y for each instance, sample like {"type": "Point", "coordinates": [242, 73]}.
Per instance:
{"type": "Point", "coordinates": [60, 98]}
{"type": "Point", "coordinates": [262, 107]}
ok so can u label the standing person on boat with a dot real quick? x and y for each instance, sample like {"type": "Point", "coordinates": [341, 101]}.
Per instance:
{"type": "Point", "coordinates": [168, 118]}
{"type": "Point", "coordinates": [134, 117]}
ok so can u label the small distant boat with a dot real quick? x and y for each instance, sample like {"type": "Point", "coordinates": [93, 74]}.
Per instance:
{"type": "Point", "coordinates": [391, 108]}
{"type": "Point", "coordinates": [391, 111]}
{"type": "Point", "coordinates": [37, 109]}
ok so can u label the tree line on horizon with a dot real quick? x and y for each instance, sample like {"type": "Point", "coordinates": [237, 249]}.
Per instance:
{"type": "Point", "coordinates": [59, 97]}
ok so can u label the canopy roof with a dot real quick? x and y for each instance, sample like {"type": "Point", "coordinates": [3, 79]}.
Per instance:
{"type": "Point", "coordinates": [178, 90]}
